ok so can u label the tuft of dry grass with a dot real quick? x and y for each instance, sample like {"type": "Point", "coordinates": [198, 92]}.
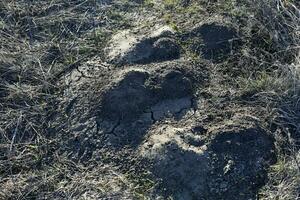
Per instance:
{"type": "Point", "coordinates": [40, 41]}
{"type": "Point", "coordinates": [280, 20]}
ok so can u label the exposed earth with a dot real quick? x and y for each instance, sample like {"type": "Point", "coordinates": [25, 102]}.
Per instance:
{"type": "Point", "coordinates": [174, 99]}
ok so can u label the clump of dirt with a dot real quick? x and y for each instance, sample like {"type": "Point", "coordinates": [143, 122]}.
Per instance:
{"type": "Point", "coordinates": [128, 98]}
{"type": "Point", "coordinates": [240, 159]}
{"type": "Point", "coordinates": [165, 49]}
{"type": "Point", "coordinates": [213, 41]}
{"type": "Point", "coordinates": [156, 46]}
{"type": "Point", "coordinates": [139, 97]}
{"type": "Point", "coordinates": [138, 91]}
{"type": "Point", "coordinates": [125, 102]}
{"type": "Point", "coordinates": [231, 165]}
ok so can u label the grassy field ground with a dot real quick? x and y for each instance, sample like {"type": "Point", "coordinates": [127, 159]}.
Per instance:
{"type": "Point", "coordinates": [43, 41]}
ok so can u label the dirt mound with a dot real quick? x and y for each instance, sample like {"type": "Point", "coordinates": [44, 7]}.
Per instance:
{"type": "Point", "coordinates": [156, 46]}
{"type": "Point", "coordinates": [165, 49]}
{"type": "Point", "coordinates": [128, 98]}
{"type": "Point", "coordinates": [126, 102]}
{"type": "Point", "coordinates": [231, 165]}
{"type": "Point", "coordinates": [213, 41]}
{"type": "Point", "coordinates": [139, 90]}
{"type": "Point", "coordinates": [240, 159]}
{"type": "Point", "coordinates": [141, 97]}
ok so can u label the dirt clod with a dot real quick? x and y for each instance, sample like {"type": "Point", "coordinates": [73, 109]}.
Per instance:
{"type": "Point", "coordinates": [232, 165]}
{"type": "Point", "coordinates": [213, 41]}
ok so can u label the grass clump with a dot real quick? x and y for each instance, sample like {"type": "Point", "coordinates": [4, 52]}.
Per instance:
{"type": "Point", "coordinates": [263, 82]}
{"type": "Point", "coordinates": [279, 21]}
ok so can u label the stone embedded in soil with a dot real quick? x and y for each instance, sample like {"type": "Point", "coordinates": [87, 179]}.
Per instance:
{"type": "Point", "coordinates": [129, 48]}
{"type": "Point", "coordinates": [231, 166]}
{"type": "Point", "coordinates": [213, 41]}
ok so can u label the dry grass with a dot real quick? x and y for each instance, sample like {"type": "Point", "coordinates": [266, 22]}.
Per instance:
{"type": "Point", "coordinates": [41, 41]}
{"type": "Point", "coordinates": [281, 21]}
